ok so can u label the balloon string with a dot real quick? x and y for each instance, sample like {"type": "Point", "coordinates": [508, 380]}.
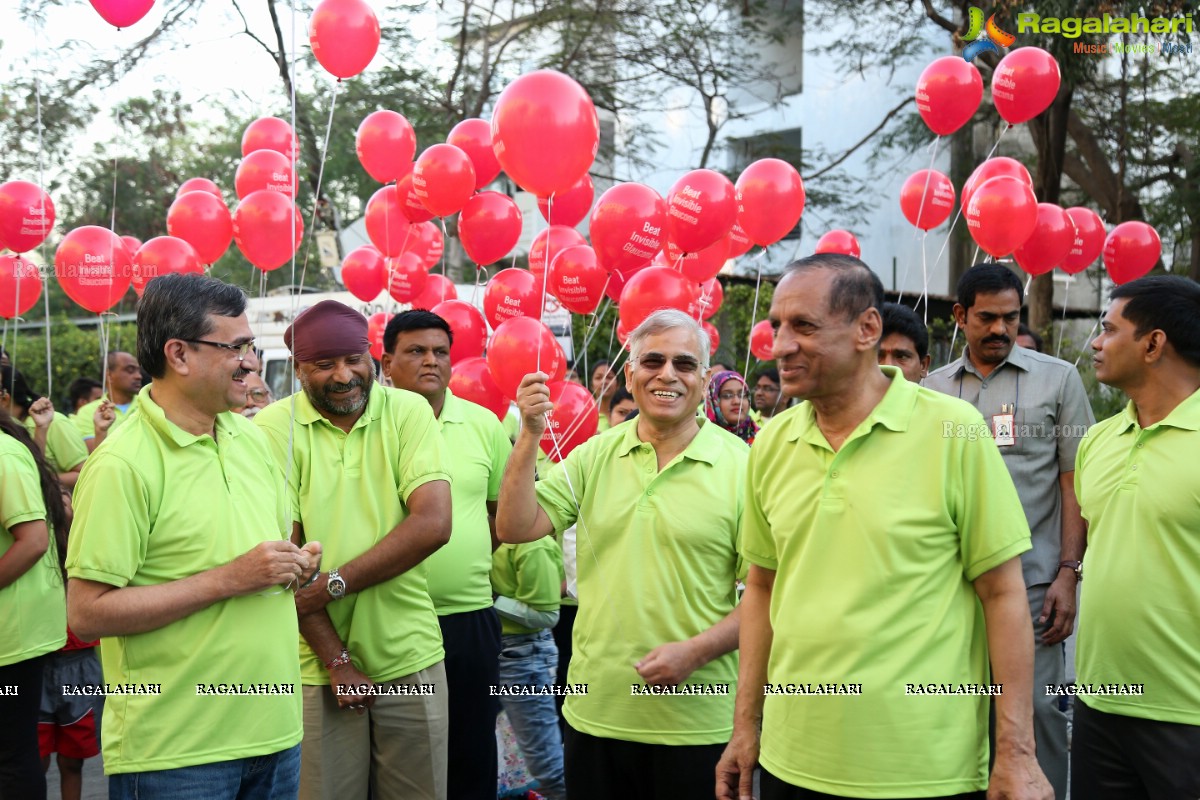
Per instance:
{"type": "Point", "coordinates": [103, 333]}
{"type": "Point", "coordinates": [1028, 281]}
{"type": "Point", "coordinates": [958, 214]}
{"type": "Point", "coordinates": [924, 278]}
{"type": "Point", "coordinates": [1063, 324]}
{"type": "Point", "coordinates": [112, 223]}
{"type": "Point", "coordinates": [295, 296]}
{"type": "Point", "coordinates": [1087, 339]}
{"type": "Point", "coordinates": [312, 232]}
{"type": "Point", "coordinates": [479, 270]}
{"type": "Point", "coordinates": [921, 210]}
{"type": "Point", "coordinates": [754, 308]}
{"type": "Point", "coordinates": [545, 274]}
{"type": "Point", "coordinates": [445, 238]}
{"type": "Point", "coordinates": [594, 325]}
{"type": "Point", "coordinates": [37, 88]}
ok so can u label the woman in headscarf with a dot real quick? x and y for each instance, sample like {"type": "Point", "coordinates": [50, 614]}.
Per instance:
{"type": "Point", "coordinates": [727, 404]}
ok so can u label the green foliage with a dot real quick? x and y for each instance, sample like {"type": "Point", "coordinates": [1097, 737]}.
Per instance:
{"type": "Point", "coordinates": [75, 353]}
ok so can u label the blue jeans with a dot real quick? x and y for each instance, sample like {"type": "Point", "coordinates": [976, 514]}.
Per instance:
{"type": "Point", "coordinates": [270, 777]}
{"type": "Point", "coordinates": [531, 659]}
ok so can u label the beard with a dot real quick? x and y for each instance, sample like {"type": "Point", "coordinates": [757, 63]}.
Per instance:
{"type": "Point", "coordinates": [323, 401]}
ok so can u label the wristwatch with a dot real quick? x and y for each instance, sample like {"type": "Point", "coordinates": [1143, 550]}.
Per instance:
{"type": "Point", "coordinates": [335, 585]}
{"type": "Point", "coordinates": [1074, 566]}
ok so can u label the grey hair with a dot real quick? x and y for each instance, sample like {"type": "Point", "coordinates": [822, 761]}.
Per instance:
{"type": "Point", "coordinates": [177, 306]}
{"type": "Point", "coordinates": [665, 320]}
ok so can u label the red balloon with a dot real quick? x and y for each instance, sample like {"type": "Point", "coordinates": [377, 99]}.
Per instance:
{"type": "Point", "coordinates": [617, 280]}
{"type": "Point", "coordinates": [364, 273]}
{"type": "Point", "coordinates": [411, 205]}
{"type": "Point", "coordinates": [702, 264]}
{"type": "Point", "coordinates": [770, 200]}
{"type": "Point", "coordinates": [132, 244]}
{"type": "Point", "coordinates": [627, 226]}
{"type": "Point", "coordinates": [344, 35]}
{"type": "Point", "coordinates": [701, 208]}
{"type": "Point", "coordinates": [122, 13]}
{"type": "Point", "coordinates": [548, 244]}
{"type": "Point", "coordinates": [267, 228]}
{"type": "Point", "coordinates": [1049, 244]}
{"type": "Point", "coordinates": [1002, 215]}
{"type": "Point", "coordinates": [545, 132]}
{"type": "Point", "coordinates": [20, 286]}
{"type": "Point", "coordinates": [376, 325]}
{"type": "Point", "coordinates": [267, 170]}
{"type": "Point", "coordinates": [948, 94]}
{"type": "Point", "coordinates": [203, 221]}
{"type": "Point", "coordinates": [994, 168]}
{"type": "Point", "coordinates": [512, 293]}
{"type": "Point", "coordinates": [270, 133]}
{"type": "Point", "coordinates": [489, 227]}
{"type": "Point", "coordinates": [622, 333]}
{"type": "Point", "coordinates": [93, 267]}
{"type": "Point", "coordinates": [443, 179]}
{"type": "Point", "coordinates": [1024, 84]}
{"type": "Point", "coordinates": [163, 255]}
{"type": "Point", "coordinates": [714, 337]}
{"type": "Point", "coordinates": [708, 300]}
{"type": "Point", "coordinates": [426, 241]}
{"type": "Point", "coordinates": [762, 340]}
{"type": "Point", "coordinates": [474, 137]}
{"type": "Point", "coordinates": [927, 198]}
{"type": "Point", "coordinates": [570, 207]}
{"type": "Point", "coordinates": [385, 144]}
{"type": "Point", "coordinates": [387, 226]}
{"type": "Point", "coordinates": [577, 280]}
{"type": "Point", "coordinates": [438, 289]}
{"type": "Point", "coordinates": [1130, 251]}
{"type": "Point", "coordinates": [520, 346]}
{"type": "Point", "coordinates": [407, 277]}
{"type": "Point", "coordinates": [470, 380]}
{"type": "Point", "coordinates": [469, 328]}
{"type": "Point", "coordinates": [199, 185]}
{"type": "Point", "coordinates": [26, 215]}
{"type": "Point", "coordinates": [1089, 240]}
{"type": "Point", "coordinates": [839, 241]}
{"type": "Point", "coordinates": [652, 289]}
{"type": "Point", "coordinates": [739, 242]}
{"type": "Point", "coordinates": [571, 422]}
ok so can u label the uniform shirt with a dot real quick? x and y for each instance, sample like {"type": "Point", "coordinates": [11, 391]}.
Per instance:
{"type": "Point", "coordinates": [65, 448]}
{"type": "Point", "coordinates": [657, 562]}
{"type": "Point", "coordinates": [1139, 611]}
{"type": "Point", "coordinates": [34, 617]}
{"type": "Point", "coordinates": [875, 548]}
{"type": "Point", "coordinates": [1052, 416]}
{"type": "Point", "coordinates": [530, 573]}
{"type": "Point", "coordinates": [458, 571]}
{"type": "Point", "coordinates": [349, 490]}
{"type": "Point", "coordinates": [157, 504]}
{"type": "Point", "coordinates": [86, 424]}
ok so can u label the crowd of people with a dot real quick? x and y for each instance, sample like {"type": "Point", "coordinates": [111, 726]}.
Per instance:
{"type": "Point", "coordinates": [844, 576]}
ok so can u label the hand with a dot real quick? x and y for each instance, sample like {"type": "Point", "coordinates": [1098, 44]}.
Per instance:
{"type": "Point", "coordinates": [269, 564]}
{"type": "Point", "coordinates": [42, 412]}
{"type": "Point", "coordinates": [735, 770]}
{"type": "Point", "coordinates": [311, 550]}
{"type": "Point", "coordinates": [349, 679]}
{"type": "Point", "coordinates": [1060, 601]}
{"type": "Point", "coordinates": [105, 416]}
{"type": "Point", "coordinates": [533, 401]}
{"type": "Point", "coordinates": [312, 599]}
{"type": "Point", "coordinates": [669, 664]}
{"type": "Point", "coordinates": [1017, 776]}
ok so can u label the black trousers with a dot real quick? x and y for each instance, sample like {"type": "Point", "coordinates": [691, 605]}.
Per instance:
{"type": "Point", "coordinates": [21, 775]}
{"type": "Point", "coordinates": [1115, 757]}
{"type": "Point", "coordinates": [602, 769]}
{"type": "Point", "coordinates": [472, 644]}
{"type": "Point", "coordinates": [563, 631]}
{"type": "Point", "coordinates": [775, 789]}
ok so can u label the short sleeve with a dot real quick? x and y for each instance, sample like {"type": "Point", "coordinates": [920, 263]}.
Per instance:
{"type": "Point", "coordinates": [83, 421]}
{"type": "Point", "coordinates": [20, 491]}
{"type": "Point", "coordinates": [111, 530]}
{"type": "Point", "coordinates": [1074, 418]}
{"type": "Point", "coordinates": [499, 447]}
{"type": "Point", "coordinates": [422, 451]}
{"type": "Point", "coordinates": [992, 527]}
{"type": "Point", "coordinates": [756, 544]}
{"type": "Point", "coordinates": [64, 445]}
{"type": "Point", "coordinates": [563, 484]}
{"type": "Point", "coordinates": [539, 575]}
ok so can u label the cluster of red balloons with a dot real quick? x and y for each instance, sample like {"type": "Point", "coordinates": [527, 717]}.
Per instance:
{"type": "Point", "coordinates": [950, 89]}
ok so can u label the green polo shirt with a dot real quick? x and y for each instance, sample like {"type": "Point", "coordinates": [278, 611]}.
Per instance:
{"type": "Point", "coordinates": [65, 449]}
{"type": "Point", "coordinates": [349, 490]}
{"type": "Point", "coordinates": [157, 504]}
{"type": "Point", "coordinates": [875, 548]}
{"type": "Point", "coordinates": [87, 427]}
{"type": "Point", "coordinates": [34, 620]}
{"type": "Point", "coordinates": [1139, 617]}
{"type": "Point", "coordinates": [458, 571]}
{"type": "Point", "coordinates": [531, 573]}
{"type": "Point", "coordinates": [657, 562]}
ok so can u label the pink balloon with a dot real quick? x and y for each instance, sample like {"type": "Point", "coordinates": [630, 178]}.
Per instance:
{"type": "Point", "coordinates": [739, 242]}
{"type": "Point", "coordinates": [93, 267]}
{"type": "Point", "coordinates": [927, 198]}
{"type": "Point", "coordinates": [376, 325]}
{"type": "Point", "coordinates": [839, 241]}
{"type": "Point", "coordinates": [1089, 240]}
{"type": "Point", "coordinates": [265, 170]}
{"type": "Point", "coordinates": [438, 289]}
{"type": "Point", "coordinates": [548, 244]}
{"type": "Point", "coordinates": [122, 13]}
{"type": "Point", "coordinates": [512, 293]}
{"type": "Point", "coordinates": [20, 286]}
{"type": "Point", "coordinates": [571, 422]}
{"type": "Point", "coordinates": [344, 35]}
{"type": "Point", "coordinates": [627, 226]}
{"type": "Point", "coordinates": [948, 94]}
{"type": "Point", "coordinates": [521, 346]}
{"type": "Point", "coordinates": [385, 144]}
{"type": "Point", "coordinates": [714, 337]}
{"type": "Point", "coordinates": [489, 227]}
{"type": "Point", "coordinates": [387, 226]}
{"type": "Point", "coordinates": [163, 255]}
{"type": "Point", "coordinates": [1024, 84]}
{"type": "Point", "coordinates": [712, 295]}
{"type": "Point", "coordinates": [577, 280]}
{"type": "Point", "coordinates": [443, 179]}
{"type": "Point", "coordinates": [1130, 251]}
{"type": "Point", "coordinates": [762, 340]}
{"type": "Point", "coordinates": [471, 380]}
{"type": "Point", "coordinates": [427, 242]}
{"type": "Point", "coordinates": [701, 208]}
{"type": "Point", "coordinates": [410, 204]}
{"type": "Point", "coordinates": [994, 168]}
{"type": "Point", "coordinates": [469, 328]}
{"type": "Point", "coordinates": [770, 200]}
{"type": "Point", "coordinates": [407, 277]}
{"type": "Point", "coordinates": [570, 207]}
{"type": "Point", "coordinates": [203, 221]}
{"type": "Point", "coordinates": [1049, 244]}
{"type": "Point", "coordinates": [267, 229]}
{"type": "Point", "coordinates": [364, 273]}
{"type": "Point", "coordinates": [199, 185]}
{"type": "Point", "coordinates": [132, 244]}
{"type": "Point", "coordinates": [474, 137]}
{"type": "Point", "coordinates": [270, 133]}
{"type": "Point", "coordinates": [26, 215]}
{"type": "Point", "coordinates": [652, 289]}
{"type": "Point", "coordinates": [1002, 215]}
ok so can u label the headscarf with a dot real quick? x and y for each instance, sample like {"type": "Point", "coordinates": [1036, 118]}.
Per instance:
{"type": "Point", "coordinates": [744, 430]}
{"type": "Point", "coordinates": [327, 330]}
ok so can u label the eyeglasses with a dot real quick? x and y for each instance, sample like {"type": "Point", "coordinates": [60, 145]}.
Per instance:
{"type": "Point", "coordinates": [240, 349]}
{"type": "Point", "coordinates": [732, 395]}
{"type": "Point", "coordinates": [656, 361]}
{"type": "Point", "coordinates": [259, 394]}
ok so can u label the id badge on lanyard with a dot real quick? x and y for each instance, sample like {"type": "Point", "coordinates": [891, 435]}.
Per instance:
{"type": "Point", "coordinates": [1004, 429]}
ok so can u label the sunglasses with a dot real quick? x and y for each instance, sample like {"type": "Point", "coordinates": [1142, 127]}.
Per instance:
{"type": "Point", "coordinates": [656, 361]}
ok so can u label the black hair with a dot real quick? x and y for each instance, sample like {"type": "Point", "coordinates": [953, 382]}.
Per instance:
{"type": "Point", "coordinates": [418, 319]}
{"type": "Point", "coordinates": [987, 278]}
{"type": "Point", "coordinates": [770, 373]}
{"type": "Point", "coordinates": [13, 382]}
{"type": "Point", "coordinates": [1169, 303]}
{"type": "Point", "coordinates": [855, 288]}
{"type": "Point", "coordinates": [56, 509]}
{"type": "Point", "coordinates": [619, 396]}
{"type": "Point", "coordinates": [79, 389]}
{"type": "Point", "coordinates": [600, 362]}
{"type": "Point", "coordinates": [178, 306]}
{"type": "Point", "coordinates": [904, 321]}
{"type": "Point", "coordinates": [1025, 330]}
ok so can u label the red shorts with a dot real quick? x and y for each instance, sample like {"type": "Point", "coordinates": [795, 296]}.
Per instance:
{"type": "Point", "coordinates": [75, 740]}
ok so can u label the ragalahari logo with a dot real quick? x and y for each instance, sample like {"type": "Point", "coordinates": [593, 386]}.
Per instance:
{"type": "Point", "coordinates": [984, 37]}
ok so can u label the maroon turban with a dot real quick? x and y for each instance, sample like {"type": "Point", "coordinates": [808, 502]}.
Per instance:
{"type": "Point", "coordinates": [327, 330]}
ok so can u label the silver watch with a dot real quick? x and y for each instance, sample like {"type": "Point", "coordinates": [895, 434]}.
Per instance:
{"type": "Point", "coordinates": [335, 585]}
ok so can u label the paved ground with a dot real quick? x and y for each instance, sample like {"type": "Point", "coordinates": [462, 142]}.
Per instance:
{"type": "Point", "coordinates": [95, 785]}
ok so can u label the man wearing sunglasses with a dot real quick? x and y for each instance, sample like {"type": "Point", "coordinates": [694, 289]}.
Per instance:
{"type": "Point", "coordinates": [178, 559]}
{"type": "Point", "coordinates": [657, 501]}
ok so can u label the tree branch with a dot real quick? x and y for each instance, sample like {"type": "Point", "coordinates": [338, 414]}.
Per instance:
{"type": "Point", "coordinates": [882, 124]}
